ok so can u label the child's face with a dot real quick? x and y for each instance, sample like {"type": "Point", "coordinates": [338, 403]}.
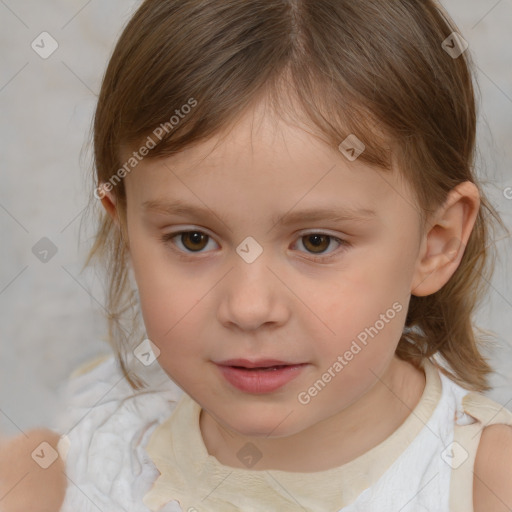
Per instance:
{"type": "Point", "coordinates": [341, 315]}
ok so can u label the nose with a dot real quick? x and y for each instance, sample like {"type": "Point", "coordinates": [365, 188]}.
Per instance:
{"type": "Point", "coordinates": [251, 296]}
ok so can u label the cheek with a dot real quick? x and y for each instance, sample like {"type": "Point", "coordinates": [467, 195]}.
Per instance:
{"type": "Point", "coordinates": [164, 298]}
{"type": "Point", "coordinates": [367, 305]}
{"type": "Point", "coordinates": [168, 312]}
{"type": "Point", "coordinates": [383, 274]}
{"type": "Point", "coordinates": [363, 330]}
{"type": "Point", "coordinates": [173, 305]}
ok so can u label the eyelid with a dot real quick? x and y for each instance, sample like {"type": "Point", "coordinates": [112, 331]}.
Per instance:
{"type": "Point", "coordinates": [342, 244]}
{"type": "Point", "coordinates": [168, 237]}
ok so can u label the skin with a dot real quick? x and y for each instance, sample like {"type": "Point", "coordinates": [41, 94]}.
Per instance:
{"type": "Point", "coordinates": [24, 485]}
{"type": "Point", "coordinates": [492, 490]}
{"type": "Point", "coordinates": [210, 306]}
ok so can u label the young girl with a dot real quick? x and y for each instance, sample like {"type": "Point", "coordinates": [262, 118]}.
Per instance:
{"type": "Point", "coordinates": [288, 199]}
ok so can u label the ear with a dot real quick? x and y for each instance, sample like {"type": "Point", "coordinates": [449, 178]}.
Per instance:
{"type": "Point", "coordinates": [444, 239]}
{"type": "Point", "coordinates": [108, 200]}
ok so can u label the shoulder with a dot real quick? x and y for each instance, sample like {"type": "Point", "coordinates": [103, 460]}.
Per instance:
{"type": "Point", "coordinates": [26, 485]}
{"type": "Point", "coordinates": [492, 484]}
{"type": "Point", "coordinates": [488, 441]}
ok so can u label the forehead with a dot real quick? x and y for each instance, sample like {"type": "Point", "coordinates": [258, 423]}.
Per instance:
{"type": "Point", "coordinates": [264, 160]}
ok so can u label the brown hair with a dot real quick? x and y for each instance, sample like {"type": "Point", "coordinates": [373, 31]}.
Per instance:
{"type": "Point", "coordinates": [376, 69]}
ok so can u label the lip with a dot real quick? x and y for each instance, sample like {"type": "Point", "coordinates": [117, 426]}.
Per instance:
{"type": "Point", "coordinates": [259, 363]}
{"type": "Point", "coordinates": [259, 381]}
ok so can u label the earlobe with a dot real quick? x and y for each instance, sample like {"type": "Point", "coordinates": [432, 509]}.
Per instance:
{"type": "Point", "coordinates": [444, 241]}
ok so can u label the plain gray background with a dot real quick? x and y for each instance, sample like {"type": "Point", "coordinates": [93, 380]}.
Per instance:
{"type": "Point", "coordinates": [51, 314]}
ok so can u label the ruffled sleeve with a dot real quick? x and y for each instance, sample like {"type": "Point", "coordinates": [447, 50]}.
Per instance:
{"type": "Point", "coordinates": [104, 427]}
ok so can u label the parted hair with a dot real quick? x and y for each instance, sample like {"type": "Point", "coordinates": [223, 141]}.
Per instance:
{"type": "Point", "coordinates": [378, 69]}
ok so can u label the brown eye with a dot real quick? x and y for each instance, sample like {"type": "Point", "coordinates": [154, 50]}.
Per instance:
{"type": "Point", "coordinates": [321, 247]}
{"type": "Point", "coordinates": [194, 240]}
{"type": "Point", "coordinates": [317, 244]}
{"type": "Point", "coordinates": [189, 242]}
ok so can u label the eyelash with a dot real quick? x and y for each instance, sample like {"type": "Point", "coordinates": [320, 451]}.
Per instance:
{"type": "Point", "coordinates": [343, 244]}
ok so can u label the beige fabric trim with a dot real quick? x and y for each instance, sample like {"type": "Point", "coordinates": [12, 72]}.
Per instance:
{"type": "Point", "coordinates": [188, 471]}
{"type": "Point", "coordinates": [485, 412]}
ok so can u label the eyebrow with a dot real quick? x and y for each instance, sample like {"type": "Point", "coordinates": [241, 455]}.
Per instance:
{"type": "Point", "coordinates": [344, 213]}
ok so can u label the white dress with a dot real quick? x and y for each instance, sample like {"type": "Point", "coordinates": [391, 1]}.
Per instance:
{"type": "Point", "coordinates": [127, 452]}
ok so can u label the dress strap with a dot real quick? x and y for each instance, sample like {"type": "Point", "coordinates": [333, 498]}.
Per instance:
{"type": "Point", "coordinates": [476, 413]}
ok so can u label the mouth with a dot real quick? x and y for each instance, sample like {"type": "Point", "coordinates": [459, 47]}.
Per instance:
{"type": "Point", "coordinates": [259, 376]}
